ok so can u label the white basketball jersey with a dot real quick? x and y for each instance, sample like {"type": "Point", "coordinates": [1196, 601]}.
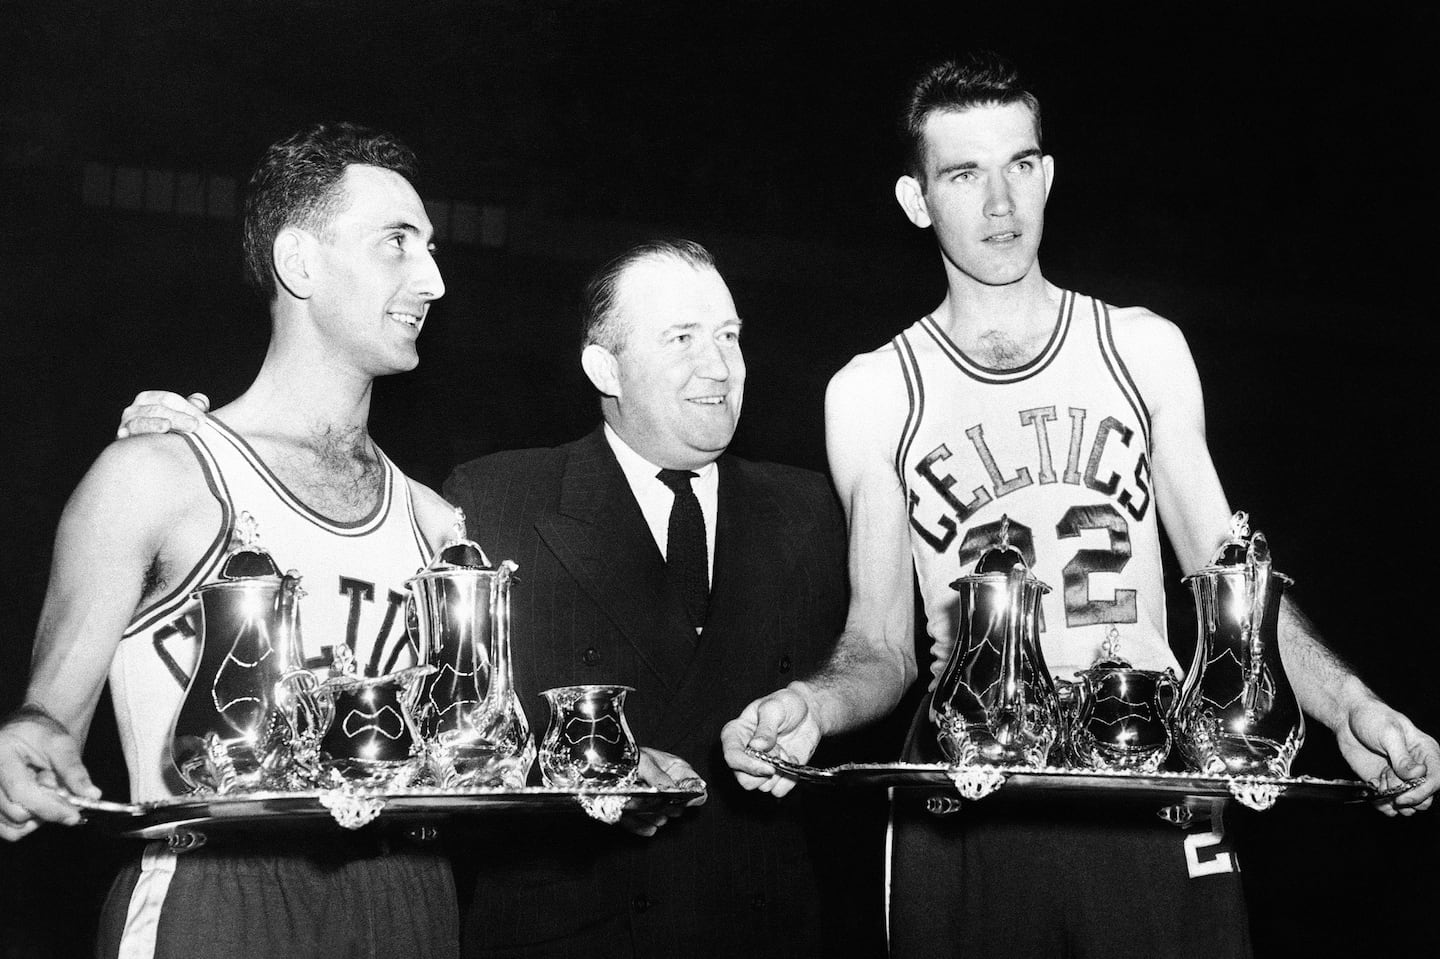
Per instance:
{"type": "Point", "coordinates": [353, 575]}
{"type": "Point", "coordinates": [1060, 446]}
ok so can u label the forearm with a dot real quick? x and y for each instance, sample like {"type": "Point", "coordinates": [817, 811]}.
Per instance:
{"type": "Point", "coordinates": [74, 646]}
{"type": "Point", "coordinates": [860, 683]}
{"type": "Point", "coordinates": [1325, 685]}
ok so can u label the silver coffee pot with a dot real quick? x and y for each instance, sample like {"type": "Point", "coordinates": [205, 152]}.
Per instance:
{"type": "Point", "coordinates": [996, 701]}
{"type": "Point", "coordinates": [252, 717]}
{"type": "Point", "coordinates": [1238, 714]}
{"type": "Point", "coordinates": [469, 714]}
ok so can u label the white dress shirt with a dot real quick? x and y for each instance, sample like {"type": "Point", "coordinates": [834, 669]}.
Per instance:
{"type": "Point", "coordinates": [655, 498]}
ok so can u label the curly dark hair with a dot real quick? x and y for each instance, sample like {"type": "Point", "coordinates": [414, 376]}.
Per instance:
{"type": "Point", "coordinates": [297, 183]}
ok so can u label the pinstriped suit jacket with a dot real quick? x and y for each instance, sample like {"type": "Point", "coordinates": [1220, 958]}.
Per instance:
{"type": "Point", "coordinates": [733, 877]}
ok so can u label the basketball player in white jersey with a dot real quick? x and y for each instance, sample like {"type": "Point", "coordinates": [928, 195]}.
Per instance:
{"type": "Point", "coordinates": [339, 242]}
{"type": "Point", "coordinates": [1083, 424]}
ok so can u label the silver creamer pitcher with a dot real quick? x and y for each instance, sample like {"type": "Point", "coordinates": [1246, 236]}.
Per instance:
{"type": "Point", "coordinates": [588, 741]}
{"type": "Point", "coordinates": [1238, 714]}
{"type": "Point", "coordinates": [251, 718]}
{"type": "Point", "coordinates": [470, 718]}
{"type": "Point", "coordinates": [996, 702]}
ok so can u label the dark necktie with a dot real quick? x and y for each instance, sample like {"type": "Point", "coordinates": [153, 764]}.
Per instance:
{"type": "Point", "coordinates": [686, 561]}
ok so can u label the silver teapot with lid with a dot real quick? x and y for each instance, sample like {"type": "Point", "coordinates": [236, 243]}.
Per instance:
{"type": "Point", "coordinates": [996, 702]}
{"type": "Point", "coordinates": [1238, 714]}
{"type": "Point", "coordinates": [253, 716]}
{"type": "Point", "coordinates": [469, 715]}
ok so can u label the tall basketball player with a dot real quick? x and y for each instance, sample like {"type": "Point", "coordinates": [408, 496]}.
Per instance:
{"type": "Point", "coordinates": [1083, 423]}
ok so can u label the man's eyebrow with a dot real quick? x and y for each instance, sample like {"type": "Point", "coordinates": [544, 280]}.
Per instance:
{"type": "Point", "coordinates": [972, 165]}
{"type": "Point", "coordinates": [690, 326]}
{"type": "Point", "coordinates": [957, 167]}
{"type": "Point", "coordinates": [410, 228]}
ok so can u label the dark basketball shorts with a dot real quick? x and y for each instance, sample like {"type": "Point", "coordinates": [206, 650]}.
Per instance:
{"type": "Point", "coordinates": [1059, 879]}
{"type": "Point", "coordinates": [356, 897]}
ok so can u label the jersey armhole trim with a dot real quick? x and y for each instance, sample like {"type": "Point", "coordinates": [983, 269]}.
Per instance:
{"type": "Point", "coordinates": [422, 542]}
{"type": "Point", "coordinates": [915, 396]}
{"type": "Point", "coordinates": [176, 598]}
{"type": "Point", "coordinates": [1105, 334]}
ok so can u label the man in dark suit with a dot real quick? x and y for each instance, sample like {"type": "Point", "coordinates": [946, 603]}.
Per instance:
{"type": "Point", "coordinates": [591, 527]}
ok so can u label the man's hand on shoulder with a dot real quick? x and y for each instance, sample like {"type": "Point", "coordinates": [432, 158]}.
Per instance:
{"type": "Point", "coordinates": [160, 411]}
{"type": "Point", "coordinates": [782, 723]}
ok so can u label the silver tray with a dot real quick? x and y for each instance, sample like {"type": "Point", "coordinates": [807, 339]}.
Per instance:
{"type": "Point", "coordinates": [189, 820]}
{"type": "Point", "coordinates": [1052, 782]}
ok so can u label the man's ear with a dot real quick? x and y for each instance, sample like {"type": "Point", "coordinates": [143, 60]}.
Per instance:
{"type": "Point", "coordinates": [293, 256]}
{"type": "Point", "coordinates": [602, 368]}
{"type": "Point", "coordinates": [1047, 163]}
{"type": "Point", "coordinates": [911, 197]}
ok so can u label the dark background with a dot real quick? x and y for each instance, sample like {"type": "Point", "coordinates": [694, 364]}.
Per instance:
{"type": "Point", "coordinates": [1256, 175]}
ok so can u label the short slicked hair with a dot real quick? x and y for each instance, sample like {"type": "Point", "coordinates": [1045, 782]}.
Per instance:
{"type": "Point", "coordinates": [600, 320]}
{"type": "Point", "coordinates": [951, 86]}
{"type": "Point", "coordinates": [297, 183]}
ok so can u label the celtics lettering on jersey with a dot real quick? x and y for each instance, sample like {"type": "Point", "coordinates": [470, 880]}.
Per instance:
{"type": "Point", "coordinates": [383, 651]}
{"type": "Point", "coordinates": [1061, 447]}
{"type": "Point", "coordinates": [941, 471]}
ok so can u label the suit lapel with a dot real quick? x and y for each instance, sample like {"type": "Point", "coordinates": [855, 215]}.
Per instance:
{"type": "Point", "coordinates": [600, 536]}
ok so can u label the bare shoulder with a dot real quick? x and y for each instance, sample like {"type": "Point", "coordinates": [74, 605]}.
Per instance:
{"type": "Point", "coordinates": [1155, 352]}
{"type": "Point", "coordinates": [157, 474]}
{"type": "Point", "coordinates": [435, 516]}
{"type": "Point", "coordinates": [866, 406]}
{"type": "Point", "coordinates": [871, 385]}
{"type": "Point", "coordinates": [869, 366]}
{"type": "Point", "coordinates": [1141, 333]}
{"type": "Point", "coordinates": [144, 504]}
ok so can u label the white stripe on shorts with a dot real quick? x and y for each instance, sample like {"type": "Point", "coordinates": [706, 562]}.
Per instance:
{"type": "Point", "coordinates": [142, 918]}
{"type": "Point", "coordinates": [889, 859]}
